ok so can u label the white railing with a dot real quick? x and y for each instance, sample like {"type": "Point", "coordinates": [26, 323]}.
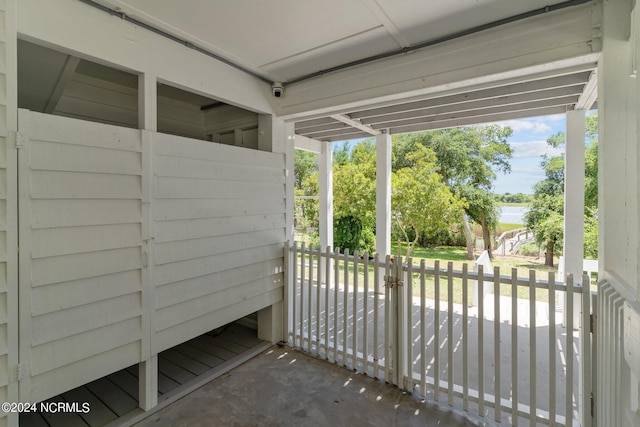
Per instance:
{"type": "Point", "coordinates": [426, 338]}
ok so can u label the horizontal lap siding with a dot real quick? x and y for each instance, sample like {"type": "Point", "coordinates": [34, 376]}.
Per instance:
{"type": "Point", "coordinates": [8, 276]}
{"type": "Point", "coordinates": [84, 240]}
{"type": "Point", "coordinates": [97, 100]}
{"type": "Point", "coordinates": [219, 229]}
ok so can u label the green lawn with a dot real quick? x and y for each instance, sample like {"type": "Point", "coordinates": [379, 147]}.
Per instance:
{"type": "Point", "coordinates": [457, 257]}
{"type": "Point", "coordinates": [502, 227]}
{"type": "Point", "coordinates": [441, 252]}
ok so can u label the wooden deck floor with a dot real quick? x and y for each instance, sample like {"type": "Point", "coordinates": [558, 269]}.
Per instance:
{"type": "Point", "coordinates": [114, 399]}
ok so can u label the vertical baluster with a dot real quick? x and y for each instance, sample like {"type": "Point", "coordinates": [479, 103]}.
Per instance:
{"type": "Point", "coordinates": [496, 341]}
{"type": "Point", "coordinates": [465, 337]}
{"type": "Point", "coordinates": [354, 326]}
{"type": "Point", "coordinates": [327, 302]}
{"type": "Point", "coordinates": [310, 302]}
{"type": "Point", "coordinates": [569, 353]}
{"type": "Point", "coordinates": [398, 332]}
{"type": "Point", "coordinates": [345, 307]}
{"type": "Point", "coordinates": [387, 321]}
{"type": "Point", "coordinates": [376, 301]}
{"type": "Point", "coordinates": [365, 316]}
{"type": "Point", "coordinates": [585, 352]}
{"type": "Point", "coordinates": [552, 349]}
{"type": "Point", "coordinates": [409, 312]}
{"type": "Point", "coordinates": [336, 307]}
{"type": "Point", "coordinates": [302, 279]}
{"type": "Point", "coordinates": [436, 330]}
{"type": "Point", "coordinates": [514, 346]}
{"type": "Point", "coordinates": [423, 330]}
{"type": "Point", "coordinates": [318, 295]}
{"type": "Point", "coordinates": [295, 293]}
{"type": "Point", "coordinates": [481, 340]}
{"type": "Point", "coordinates": [450, 340]}
{"type": "Point", "coordinates": [532, 348]}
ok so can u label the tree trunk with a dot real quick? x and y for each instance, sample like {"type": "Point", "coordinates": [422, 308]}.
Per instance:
{"type": "Point", "coordinates": [486, 236]}
{"type": "Point", "coordinates": [548, 256]}
{"type": "Point", "coordinates": [468, 237]}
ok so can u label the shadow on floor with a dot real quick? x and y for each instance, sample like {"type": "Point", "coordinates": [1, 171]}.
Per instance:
{"type": "Point", "coordinates": [283, 387]}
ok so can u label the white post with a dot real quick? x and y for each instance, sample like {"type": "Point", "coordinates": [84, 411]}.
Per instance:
{"type": "Point", "coordinates": [278, 137]}
{"type": "Point", "coordinates": [383, 194]}
{"type": "Point", "coordinates": [574, 203]}
{"type": "Point", "coordinates": [574, 224]}
{"type": "Point", "coordinates": [325, 187]}
{"type": "Point", "coordinates": [148, 121]}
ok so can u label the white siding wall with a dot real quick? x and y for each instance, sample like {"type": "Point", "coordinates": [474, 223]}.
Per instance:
{"type": "Point", "coordinates": [80, 258]}
{"type": "Point", "coordinates": [8, 211]}
{"type": "Point", "coordinates": [98, 100]}
{"type": "Point", "coordinates": [219, 216]}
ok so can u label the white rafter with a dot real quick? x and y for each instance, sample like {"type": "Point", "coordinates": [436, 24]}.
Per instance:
{"type": "Point", "coordinates": [386, 22]}
{"type": "Point", "coordinates": [355, 123]}
{"type": "Point", "coordinates": [589, 93]}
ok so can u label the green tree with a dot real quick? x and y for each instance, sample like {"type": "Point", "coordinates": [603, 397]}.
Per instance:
{"type": "Point", "coordinates": [354, 198]}
{"type": "Point", "coordinates": [468, 159]}
{"type": "Point", "coordinates": [305, 164]}
{"type": "Point", "coordinates": [420, 201]}
{"type": "Point", "coordinates": [546, 214]}
{"type": "Point", "coordinates": [305, 184]}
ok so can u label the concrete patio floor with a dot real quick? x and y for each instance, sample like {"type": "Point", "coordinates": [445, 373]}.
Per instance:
{"type": "Point", "coordinates": [284, 387]}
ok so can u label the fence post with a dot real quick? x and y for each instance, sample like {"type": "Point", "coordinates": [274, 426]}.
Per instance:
{"type": "Point", "coordinates": [398, 319]}
{"type": "Point", "coordinates": [585, 379]}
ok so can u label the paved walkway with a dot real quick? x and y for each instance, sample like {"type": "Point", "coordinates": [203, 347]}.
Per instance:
{"type": "Point", "coordinates": [283, 387]}
{"type": "Point", "coordinates": [525, 357]}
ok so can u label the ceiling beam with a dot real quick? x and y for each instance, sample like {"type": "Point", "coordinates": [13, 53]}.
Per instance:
{"type": "Point", "coordinates": [337, 133]}
{"type": "Point", "coordinates": [386, 22]}
{"type": "Point", "coordinates": [307, 144]}
{"type": "Point", "coordinates": [575, 79]}
{"type": "Point", "coordinates": [357, 135]}
{"type": "Point", "coordinates": [355, 123]}
{"type": "Point", "coordinates": [468, 121]}
{"type": "Point", "coordinates": [589, 94]}
{"type": "Point", "coordinates": [502, 109]}
{"type": "Point", "coordinates": [478, 105]}
{"type": "Point", "coordinates": [323, 128]}
{"type": "Point", "coordinates": [557, 40]}
{"type": "Point", "coordinates": [315, 122]}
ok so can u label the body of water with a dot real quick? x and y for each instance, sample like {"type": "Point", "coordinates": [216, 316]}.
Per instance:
{"type": "Point", "coordinates": [513, 214]}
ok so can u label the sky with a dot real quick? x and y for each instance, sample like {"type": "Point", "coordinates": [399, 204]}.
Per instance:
{"type": "Point", "coordinates": [529, 143]}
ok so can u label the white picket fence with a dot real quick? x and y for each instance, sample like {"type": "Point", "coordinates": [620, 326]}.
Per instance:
{"type": "Point", "coordinates": [360, 312]}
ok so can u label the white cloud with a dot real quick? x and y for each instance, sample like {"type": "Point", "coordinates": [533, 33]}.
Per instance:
{"type": "Point", "coordinates": [533, 149]}
{"type": "Point", "coordinates": [556, 117]}
{"type": "Point", "coordinates": [536, 126]}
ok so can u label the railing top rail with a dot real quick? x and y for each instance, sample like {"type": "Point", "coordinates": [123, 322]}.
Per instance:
{"type": "Point", "coordinates": [487, 276]}
{"type": "Point", "coordinates": [512, 232]}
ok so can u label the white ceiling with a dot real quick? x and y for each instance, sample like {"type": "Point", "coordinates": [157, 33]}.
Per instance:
{"type": "Point", "coordinates": [285, 39]}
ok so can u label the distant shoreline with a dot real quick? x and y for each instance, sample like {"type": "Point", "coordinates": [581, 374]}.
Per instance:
{"type": "Point", "coordinates": [521, 205]}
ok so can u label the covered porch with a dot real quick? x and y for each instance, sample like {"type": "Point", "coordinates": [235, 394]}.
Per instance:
{"type": "Point", "coordinates": [171, 215]}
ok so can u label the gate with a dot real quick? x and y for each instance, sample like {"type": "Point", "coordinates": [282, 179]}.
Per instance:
{"type": "Point", "coordinates": [507, 358]}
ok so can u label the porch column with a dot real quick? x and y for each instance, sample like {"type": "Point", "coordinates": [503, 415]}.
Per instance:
{"type": "Point", "coordinates": [276, 136]}
{"type": "Point", "coordinates": [383, 193]}
{"type": "Point", "coordinates": [618, 388]}
{"type": "Point", "coordinates": [573, 247]}
{"type": "Point", "coordinates": [147, 121]}
{"type": "Point", "coordinates": [325, 187]}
